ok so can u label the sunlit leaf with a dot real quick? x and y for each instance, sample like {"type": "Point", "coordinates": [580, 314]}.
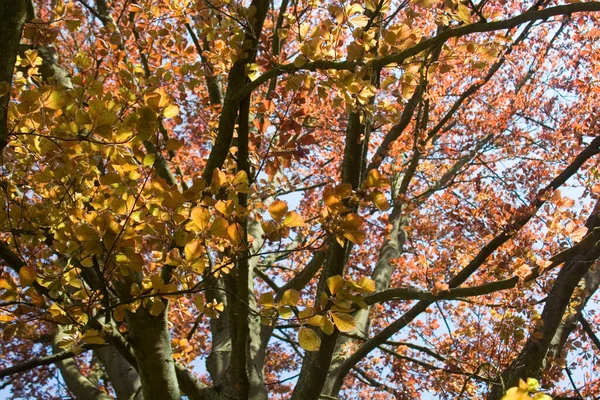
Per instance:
{"type": "Point", "coordinates": [344, 322]}
{"type": "Point", "coordinates": [308, 339]}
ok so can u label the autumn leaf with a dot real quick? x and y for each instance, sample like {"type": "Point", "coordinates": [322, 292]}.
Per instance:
{"type": "Point", "coordinates": [335, 283]}
{"type": "Point", "coordinates": [201, 217]}
{"type": "Point", "coordinates": [290, 298]}
{"type": "Point", "coordinates": [344, 322]}
{"type": "Point", "coordinates": [293, 220]}
{"type": "Point", "coordinates": [308, 339]}
{"type": "Point", "coordinates": [27, 274]}
{"type": "Point", "coordinates": [278, 210]}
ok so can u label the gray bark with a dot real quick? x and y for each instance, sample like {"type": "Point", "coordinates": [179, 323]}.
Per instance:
{"type": "Point", "coordinates": [77, 383]}
{"type": "Point", "coordinates": [151, 343]}
{"type": "Point", "coordinates": [123, 377]}
{"type": "Point", "coordinates": [13, 14]}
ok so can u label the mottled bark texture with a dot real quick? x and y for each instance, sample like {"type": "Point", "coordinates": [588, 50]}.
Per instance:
{"type": "Point", "coordinates": [13, 14]}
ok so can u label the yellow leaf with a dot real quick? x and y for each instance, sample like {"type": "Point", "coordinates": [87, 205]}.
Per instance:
{"type": "Point", "coordinates": [290, 298]}
{"type": "Point", "coordinates": [327, 326]}
{"type": "Point", "coordinates": [240, 182]}
{"type": "Point", "coordinates": [149, 159]}
{"type": "Point", "coordinates": [172, 110]}
{"type": "Point", "coordinates": [174, 258]}
{"type": "Point", "coordinates": [293, 220]}
{"type": "Point", "coordinates": [157, 282]}
{"type": "Point", "coordinates": [315, 320]}
{"type": "Point", "coordinates": [278, 209]}
{"type": "Point", "coordinates": [157, 307]}
{"type": "Point", "coordinates": [375, 180]}
{"type": "Point", "coordinates": [464, 13]}
{"type": "Point", "coordinates": [85, 233]}
{"type": "Point", "coordinates": [300, 61]}
{"type": "Point", "coordinates": [174, 144]}
{"type": "Point", "coordinates": [532, 385]}
{"type": "Point", "coordinates": [252, 71]}
{"type": "Point", "coordinates": [285, 312]}
{"type": "Point", "coordinates": [199, 303]}
{"type": "Point", "coordinates": [266, 300]}
{"type": "Point", "coordinates": [27, 274]}
{"type": "Point", "coordinates": [7, 284]}
{"type": "Point", "coordinates": [55, 100]}
{"type": "Point", "coordinates": [218, 180]}
{"type": "Point", "coordinates": [355, 237]}
{"type": "Point", "coordinates": [6, 318]}
{"type": "Point", "coordinates": [219, 227]}
{"type": "Point", "coordinates": [92, 336]}
{"type": "Point", "coordinates": [235, 232]}
{"type": "Point", "coordinates": [200, 217]}
{"type": "Point", "coordinates": [367, 284]}
{"type": "Point", "coordinates": [424, 3]}
{"type": "Point", "coordinates": [380, 201]}
{"type": "Point", "coordinates": [308, 339]}
{"type": "Point", "coordinates": [358, 21]}
{"type": "Point", "coordinates": [516, 394]}
{"type": "Point", "coordinates": [193, 250]}
{"type": "Point", "coordinates": [225, 207]}
{"type": "Point", "coordinates": [306, 313]}
{"type": "Point", "coordinates": [335, 283]}
{"type": "Point", "coordinates": [344, 322]}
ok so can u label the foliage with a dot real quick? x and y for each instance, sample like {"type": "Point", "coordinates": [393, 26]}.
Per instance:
{"type": "Point", "coordinates": [348, 199]}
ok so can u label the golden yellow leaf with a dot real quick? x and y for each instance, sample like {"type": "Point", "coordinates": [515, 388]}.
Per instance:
{"type": "Point", "coordinates": [235, 232]}
{"type": "Point", "coordinates": [380, 201]}
{"type": "Point", "coordinates": [219, 227]}
{"type": "Point", "coordinates": [193, 250]}
{"type": "Point", "coordinates": [266, 300]}
{"type": "Point", "coordinates": [218, 180]}
{"type": "Point", "coordinates": [285, 312]}
{"type": "Point", "coordinates": [27, 274]}
{"type": "Point", "coordinates": [290, 298]}
{"type": "Point", "coordinates": [200, 217]}
{"type": "Point", "coordinates": [327, 326]}
{"type": "Point", "coordinates": [293, 220]}
{"type": "Point", "coordinates": [240, 182]}
{"type": "Point", "coordinates": [157, 307]}
{"type": "Point", "coordinates": [278, 209]}
{"type": "Point", "coordinates": [300, 61]}
{"type": "Point", "coordinates": [308, 339]}
{"type": "Point", "coordinates": [172, 110]}
{"type": "Point", "coordinates": [92, 336]}
{"type": "Point", "coordinates": [55, 100]}
{"type": "Point", "coordinates": [315, 320]}
{"type": "Point", "coordinates": [174, 258]}
{"type": "Point", "coordinates": [344, 322]}
{"type": "Point", "coordinates": [174, 144]}
{"type": "Point", "coordinates": [335, 283]}
{"type": "Point", "coordinates": [366, 284]}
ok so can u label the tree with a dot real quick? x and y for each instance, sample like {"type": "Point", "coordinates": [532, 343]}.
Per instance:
{"type": "Point", "coordinates": [299, 199]}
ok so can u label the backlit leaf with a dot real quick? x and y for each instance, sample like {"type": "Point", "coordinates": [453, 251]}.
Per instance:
{"type": "Point", "coordinates": [308, 339]}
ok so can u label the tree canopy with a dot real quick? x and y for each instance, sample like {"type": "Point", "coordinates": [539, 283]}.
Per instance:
{"type": "Point", "coordinates": [303, 199]}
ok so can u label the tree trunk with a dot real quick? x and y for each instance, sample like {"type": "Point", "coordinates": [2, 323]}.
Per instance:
{"type": "Point", "coordinates": [123, 377]}
{"type": "Point", "coordinates": [151, 342]}
{"type": "Point", "coordinates": [13, 14]}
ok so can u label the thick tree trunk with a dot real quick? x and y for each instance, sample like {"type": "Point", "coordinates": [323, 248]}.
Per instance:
{"type": "Point", "coordinates": [13, 14]}
{"type": "Point", "coordinates": [151, 342]}
{"type": "Point", "coordinates": [123, 377]}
